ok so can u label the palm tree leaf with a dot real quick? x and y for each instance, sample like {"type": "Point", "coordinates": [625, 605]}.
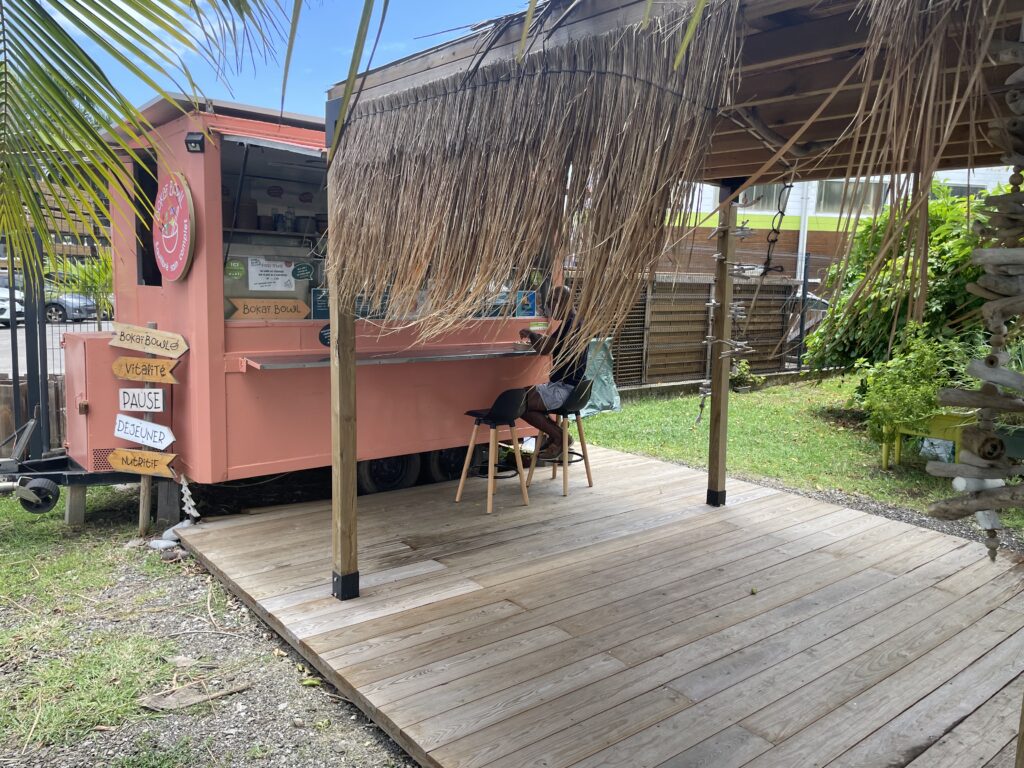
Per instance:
{"type": "Point", "coordinates": [691, 28]}
{"type": "Point", "coordinates": [526, 28]}
{"type": "Point", "coordinates": [66, 130]}
{"type": "Point", "coordinates": [292, 32]}
{"type": "Point", "coordinates": [353, 71]}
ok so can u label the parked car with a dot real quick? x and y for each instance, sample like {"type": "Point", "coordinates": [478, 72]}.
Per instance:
{"type": "Point", "coordinates": [62, 306]}
{"type": "Point", "coordinates": [63, 303]}
{"type": "Point", "coordinates": [5, 313]}
{"type": "Point", "coordinates": [5, 283]}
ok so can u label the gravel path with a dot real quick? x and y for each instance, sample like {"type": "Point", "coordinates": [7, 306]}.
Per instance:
{"type": "Point", "coordinates": [279, 720]}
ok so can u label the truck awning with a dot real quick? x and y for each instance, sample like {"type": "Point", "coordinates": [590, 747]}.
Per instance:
{"type": "Point", "coordinates": [282, 145]}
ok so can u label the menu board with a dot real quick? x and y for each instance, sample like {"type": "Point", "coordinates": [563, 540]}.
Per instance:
{"type": "Point", "coordinates": [270, 274]}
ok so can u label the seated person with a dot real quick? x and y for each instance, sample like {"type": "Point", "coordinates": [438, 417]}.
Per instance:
{"type": "Point", "coordinates": [566, 374]}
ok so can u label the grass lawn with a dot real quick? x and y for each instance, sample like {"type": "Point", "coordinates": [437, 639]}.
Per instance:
{"type": "Point", "coordinates": [799, 435]}
{"type": "Point", "coordinates": [62, 682]}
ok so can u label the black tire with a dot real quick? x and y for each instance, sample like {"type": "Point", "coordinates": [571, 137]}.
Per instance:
{"type": "Point", "coordinates": [55, 313]}
{"type": "Point", "coordinates": [444, 465]}
{"type": "Point", "coordinates": [48, 493]}
{"type": "Point", "coordinates": [390, 474]}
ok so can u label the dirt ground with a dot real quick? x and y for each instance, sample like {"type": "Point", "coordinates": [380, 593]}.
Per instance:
{"type": "Point", "coordinates": [283, 714]}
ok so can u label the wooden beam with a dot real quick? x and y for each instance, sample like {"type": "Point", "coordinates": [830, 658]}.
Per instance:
{"type": "Point", "coordinates": [807, 81]}
{"type": "Point", "coordinates": [836, 167]}
{"type": "Point", "coordinates": [722, 333]}
{"type": "Point", "coordinates": [345, 578]}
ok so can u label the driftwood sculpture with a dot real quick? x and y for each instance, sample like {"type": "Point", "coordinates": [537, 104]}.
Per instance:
{"type": "Point", "coordinates": [984, 467]}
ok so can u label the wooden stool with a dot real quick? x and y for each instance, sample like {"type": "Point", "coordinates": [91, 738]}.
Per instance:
{"type": "Point", "coordinates": [510, 405]}
{"type": "Point", "coordinates": [574, 403]}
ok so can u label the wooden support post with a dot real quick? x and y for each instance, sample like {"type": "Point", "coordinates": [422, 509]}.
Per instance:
{"type": "Point", "coordinates": [146, 481]}
{"type": "Point", "coordinates": [168, 503]}
{"type": "Point", "coordinates": [74, 505]}
{"type": "Point", "coordinates": [722, 331]}
{"type": "Point", "coordinates": [345, 579]}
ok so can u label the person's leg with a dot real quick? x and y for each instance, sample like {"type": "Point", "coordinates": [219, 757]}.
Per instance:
{"type": "Point", "coordinates": [537, 416]}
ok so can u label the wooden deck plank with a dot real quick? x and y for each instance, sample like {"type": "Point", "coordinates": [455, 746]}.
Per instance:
{"type": "Point", "coordinates": [886, 700]}
{"type": "Point", "coordinates": [575, 741]}
{"type": "Point", "coordinates": [730, 748]}
{"type": "Point", "coordinates": [914, 731]}
{"type": "Point", "coordinates": [689, 584]}
{"type": "Point", "coordinates": [750, 606]}
{"type": "Point", "coordinates": [631, 625]}
{"type": "Point", "coordinates": [801, 708]}
{"type": "Point", "coordinates": [1005, 759]}
{"type": "Point", "coordinates": [829, 736]}
{"type": "Point", "coordinates": [773, 649]}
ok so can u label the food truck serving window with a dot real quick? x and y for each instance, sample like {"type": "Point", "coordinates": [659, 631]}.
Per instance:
{"type": "Point", "coordinates": [274, 207]}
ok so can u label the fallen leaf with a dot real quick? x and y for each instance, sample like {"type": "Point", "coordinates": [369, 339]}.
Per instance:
{"type": "Point", "coordinates": [311, 681]}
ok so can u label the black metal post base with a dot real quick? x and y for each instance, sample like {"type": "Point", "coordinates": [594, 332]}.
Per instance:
{"type": "Point", "coordinates": [345, 587]}
{"type": "Point", "coordinates": [716, 498]}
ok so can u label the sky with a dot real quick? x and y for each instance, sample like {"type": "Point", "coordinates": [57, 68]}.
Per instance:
{"type": "Point", "coordinates": [323, 50]}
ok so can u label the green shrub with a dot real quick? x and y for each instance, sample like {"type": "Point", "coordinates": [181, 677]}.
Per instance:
{"type": "Point", "coordinates": [741, 376]}
{"type": "Point", "coordinates": [864, 332]}
{"type": "Point", "coordinates": [903, 390]}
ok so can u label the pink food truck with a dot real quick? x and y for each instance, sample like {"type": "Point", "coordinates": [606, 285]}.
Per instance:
{"type": "Point", "coordinates": [231, 265]}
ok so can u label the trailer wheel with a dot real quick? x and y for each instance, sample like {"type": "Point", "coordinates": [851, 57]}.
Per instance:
{"type": "Point", "coordinates": [48, 493]}
{"type": "Point", "coordinates": [444, 465]}
{"type": "Point", "coordinates": [390, 474]}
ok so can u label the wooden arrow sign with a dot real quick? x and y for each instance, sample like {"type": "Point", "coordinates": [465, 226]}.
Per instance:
{"type": "Point", "coordinates": [270, 309]}
{"type": "Point", "coordinates": [148, 340]}
{"type": "Point", "coordinates": [148, 400]}
{"type": "Point", "coordinates": [142, 432]}
{"type": "Point", "coordinates": [145, 369]}
{"type": "Point", "coordinates": [142, 462]}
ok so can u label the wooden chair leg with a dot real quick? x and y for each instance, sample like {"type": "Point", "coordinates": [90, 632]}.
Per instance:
{"type": "Point", "coordinates": [554, 464]}
{"type": "Point", "coordinates": [519, 465]}
{"type": "Point", "coordinates": [492, 456]}
{"type": "Point", "coordinates": [533, 459]}
{"type": "Point", "coordinates": [466, 463]}
{"type": "Point", "coordinates": [565, 456]}
{"type": "Point", "coordinates": [583, 449]}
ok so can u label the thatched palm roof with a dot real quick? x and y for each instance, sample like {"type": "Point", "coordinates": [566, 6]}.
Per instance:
{"type": "Point", "coordinates": [462, 168]}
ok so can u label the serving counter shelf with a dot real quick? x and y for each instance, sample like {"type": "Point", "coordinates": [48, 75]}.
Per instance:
{"type": "Point", "coordinates": [452, 353]}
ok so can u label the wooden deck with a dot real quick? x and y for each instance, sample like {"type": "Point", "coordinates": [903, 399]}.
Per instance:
{"type": "Point", "coordinates": [631, 625]}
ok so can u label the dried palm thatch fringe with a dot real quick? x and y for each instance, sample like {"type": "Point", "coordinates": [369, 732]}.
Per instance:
{"type": "Point", "coordinates": [908, 109]}
{"type": "Point", "coordinates": [447, 195]}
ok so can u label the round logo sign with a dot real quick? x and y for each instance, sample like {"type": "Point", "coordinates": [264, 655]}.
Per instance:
{"type": "Point", "coordinates": [325, 335]}
{"type": "Point", "coordinates": [174, 218]}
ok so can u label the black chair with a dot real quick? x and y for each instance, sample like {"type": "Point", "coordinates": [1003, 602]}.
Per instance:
{"type": "Point", "coordinates": [510, 405]}
{"type": "Point", "coordinates": [573, 405]}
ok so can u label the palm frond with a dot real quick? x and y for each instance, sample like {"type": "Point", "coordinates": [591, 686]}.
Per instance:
{"type": "Point", "coordinates": [65, 128]}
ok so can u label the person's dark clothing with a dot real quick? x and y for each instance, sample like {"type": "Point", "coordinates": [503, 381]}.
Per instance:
{"type": "Point", "coordinates": [567, 371]}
